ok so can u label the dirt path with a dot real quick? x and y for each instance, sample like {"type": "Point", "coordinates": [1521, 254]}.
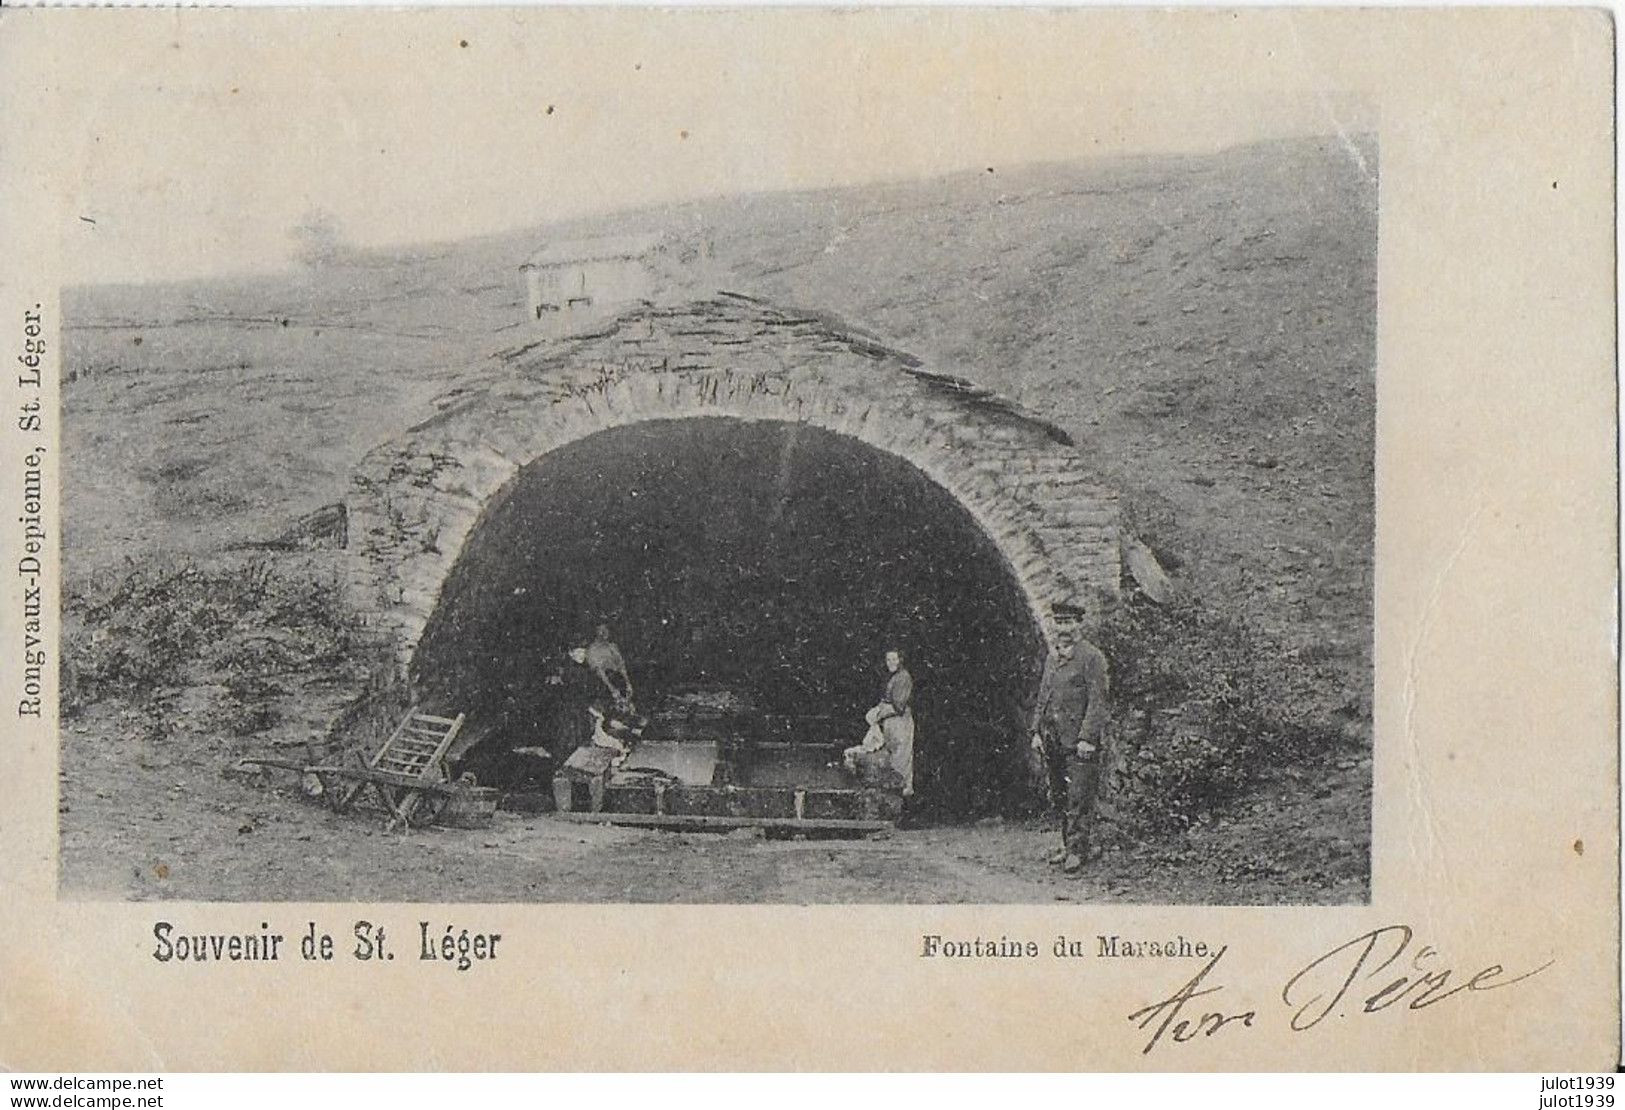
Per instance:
{"type": "Point", "coordinates": [246, 843]}
{"type": "Point", "coordinates": [146, 825]}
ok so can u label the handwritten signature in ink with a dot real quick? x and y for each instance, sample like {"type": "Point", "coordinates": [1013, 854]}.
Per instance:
{"type": "Point", "coordinates": [1374, 971]}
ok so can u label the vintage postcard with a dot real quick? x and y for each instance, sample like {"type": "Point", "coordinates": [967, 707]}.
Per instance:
{"type": "Point", "coordinates": [809, 539]}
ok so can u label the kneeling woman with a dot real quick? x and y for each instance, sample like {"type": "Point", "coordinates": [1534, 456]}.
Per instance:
{"type": "Point", "coordinates": [885, 757]}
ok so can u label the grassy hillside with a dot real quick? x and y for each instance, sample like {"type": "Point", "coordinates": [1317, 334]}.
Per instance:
{"type": "Point", "coordinates": [1203, 326]}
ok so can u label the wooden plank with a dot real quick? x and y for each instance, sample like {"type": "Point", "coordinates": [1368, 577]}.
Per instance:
{"type": "Point", "coordinates": [451, 734]}
{"type": "Point", "coordinates": [798, 745]}
{"type": "Point", "coordinates": [402, 807]}
{"type": "Point", "coordinates": [410, 770]}
{"type": "Point", "coordinates": [432, 719]}
{"type": "Point", "coordinates": [405, 766]}
{"type": "Point", "coordinates": [400, 728]}
{"type": "Point", "coordinates": [690, 821]}
{"type": "Point", "coordinates": [279, 764]}
{"type": "Point", "coordinates": [396, 778]}
{"type": "Point", "coordinates": [373, 775]}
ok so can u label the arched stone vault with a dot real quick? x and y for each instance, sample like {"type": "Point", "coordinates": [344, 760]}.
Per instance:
{"type": "Point", "coordinates": [415, 500]}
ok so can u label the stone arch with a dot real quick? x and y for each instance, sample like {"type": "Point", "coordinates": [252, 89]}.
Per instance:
{"type": "Point", "coordinates": [416, 501]}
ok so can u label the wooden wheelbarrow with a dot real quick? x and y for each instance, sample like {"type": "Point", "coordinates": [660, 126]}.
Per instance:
{"type": "Point", "coordinates": [409, 801]}
{"type": "Point", "coordinates": [407, 776]}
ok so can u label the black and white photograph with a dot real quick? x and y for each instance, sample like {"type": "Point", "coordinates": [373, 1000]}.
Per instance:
{"type": "Point", "coordinates": [783, 540]}
{"type": "Point", "coordinates": [958, 533]}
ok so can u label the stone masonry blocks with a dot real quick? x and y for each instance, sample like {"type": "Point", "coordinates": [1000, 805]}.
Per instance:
{"type": "Point", "coordinates": [415, 502]}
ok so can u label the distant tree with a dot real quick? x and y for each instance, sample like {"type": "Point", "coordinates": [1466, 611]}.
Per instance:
{"type": "Point", "coordinates": [318, 238]}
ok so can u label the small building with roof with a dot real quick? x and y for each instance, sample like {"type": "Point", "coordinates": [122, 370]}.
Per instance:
{"type": "Point", "coordinates": [572, 283]}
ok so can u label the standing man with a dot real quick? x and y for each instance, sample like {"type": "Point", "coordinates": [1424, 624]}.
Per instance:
{"type": "Point", "coordinates": [1069, 727]}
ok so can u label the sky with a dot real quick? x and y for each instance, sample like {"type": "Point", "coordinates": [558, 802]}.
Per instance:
{"type": "Point", "coordinates": [189, 143]}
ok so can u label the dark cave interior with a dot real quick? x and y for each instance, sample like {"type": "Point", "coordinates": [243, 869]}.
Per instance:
{"type": "Point", "coordinates": [771, 560]}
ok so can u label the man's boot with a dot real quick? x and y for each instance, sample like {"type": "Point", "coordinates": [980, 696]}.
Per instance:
{"type": "Point", "coordinates": [1077, 850]}
{"type": "Point", "coordinates": [1058, 857]}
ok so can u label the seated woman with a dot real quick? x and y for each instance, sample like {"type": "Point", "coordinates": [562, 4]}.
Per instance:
{"type": "Point", "coordinates": [885, 756]}
{"type": "Point", "coordinates": [606, 749]}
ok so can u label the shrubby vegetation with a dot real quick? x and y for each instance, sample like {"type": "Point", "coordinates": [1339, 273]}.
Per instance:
{"type": "Point", "coordinates": [1204, 705]}
{"type": "Point", "coordinates": [255, 638]}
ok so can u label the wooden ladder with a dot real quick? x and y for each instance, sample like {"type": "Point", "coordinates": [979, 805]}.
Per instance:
{"type": "Point", "coordinates": [418, 746]}
{"type": "Point", "coordinates": [408, 765]}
